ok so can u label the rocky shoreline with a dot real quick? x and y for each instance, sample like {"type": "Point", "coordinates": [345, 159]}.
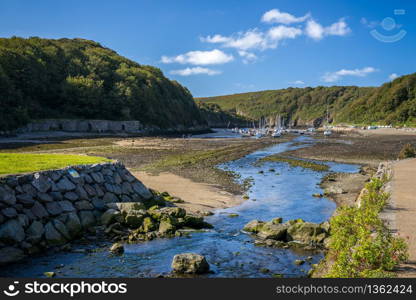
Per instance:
{"type": "Point", "coordinates": [51, 209]}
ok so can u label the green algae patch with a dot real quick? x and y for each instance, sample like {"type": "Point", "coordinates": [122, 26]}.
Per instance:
{"type": "Point", "coordinates": [15, 163]}
{"type": "Point", "coordinates": [293, 162]}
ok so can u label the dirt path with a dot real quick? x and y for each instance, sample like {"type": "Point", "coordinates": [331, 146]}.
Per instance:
{"type": "Point", "coordinates": [404, 201]}
{"type": "Point", "coordinates": [197, 196]}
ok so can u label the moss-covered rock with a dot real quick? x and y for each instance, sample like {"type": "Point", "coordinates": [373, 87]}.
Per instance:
{"type": "Point", "coordinates": [253, 226]}
{"type": "Point", "coordinates": [306, 232]}
{"type": "Point", "coordinates": [134, 218]}
{"type": "Point", "coordinates": [273, 231]}
{"type": "Point", "coordinates": [277, 220]}
{"type": "Point", "coordinates": [196, 222]}
{"type": "Point", "coordinates": [190, 263]}
{"type": "Point", "coordinates": [111, 216]}
{"type": "Point", "coordinates": [148, 225]}
{"type": "Point", "coordinates": [117, 249]}
{"type": "Point", "coordinates": [166, 226]}
{"type": "Point", "coordinates": [292, 234]}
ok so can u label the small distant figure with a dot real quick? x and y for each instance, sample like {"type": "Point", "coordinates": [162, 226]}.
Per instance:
{"type": "Point", "coordinates": [183, 136]}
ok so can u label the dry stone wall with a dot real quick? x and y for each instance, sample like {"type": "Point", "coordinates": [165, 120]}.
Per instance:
{"type": "Point", "coordinates": [48, 209]}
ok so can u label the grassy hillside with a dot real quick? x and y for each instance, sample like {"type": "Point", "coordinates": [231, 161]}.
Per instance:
{"type": "Point", "coordinates": [392, 103]}
{"type": "Point", "coordinates": [216, 117]}
{"type": "Point", "coordinates": [76, 78]}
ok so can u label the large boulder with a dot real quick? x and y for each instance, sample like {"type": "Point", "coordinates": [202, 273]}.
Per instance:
{"type": "Point", "coordinates": [87, 218]}
{"type": "Point", "coordinates": [176, 212]}
{"type": "Point", "coordinates": [126, 188]}
{"type": "Point", "coordinates": [41, 183]}
{"type": "Point", "coordinates": [273, 231]}
{"type": "Point", "coordinates": [134, 218]}
{"type": "Point", "coordinates": [65, 185]}
{"type": "Point", "coordinates": [25, 199]}
{"type": "Point", "coordinates": [167, 225]}
{"type": "Point", "coordinates": [148, 225]}
{"type": "Point", "coordinates": [10, 255]}
{"type": "Point", "coordinates": [97, 177]}
{"type": "Point", "coordinates": [9, 212]}
{"type": "Point", "coordinates": [39, 211]}
{"type": "Point", "coordinates": [34, 232]}
{"type": "Point", "coordinates": [84, 205]}
{"type": "Point", "coordinates": [117, 249]}
{"type": "Point", "coordinates": [190, 263]}
{"type": "Point", "coordinates": [62, 229]}
{"type": "Point", "coordinates": [253, 226]}
{"type": "Point", "coordinates": [52, 236]}
{"type": "Point", "coordinates": [110, 198]}
{"type": "Point", "coordinates": [73, 224]}
{"type": "Point", "coordinates": [53, 208]}
{"type": "Point", "coordinates": [111, 216]}
{"type": "Point", "coordinates": [306, 232]}
{"type": "Point", "coordinates": [44, 197]}
{"type": "Point", "coordinates": [71, 196]}
{"type": "Point", "coordinates": [195, 222]}
{"type": "Point", "coordinates": [66, 206]}
{"type": "Point", "coordinates": [140, 189]}
{"type": "Point", "coordinates": [7, 195]}
{"type": "Point", "coordinates": [126, 207]}
{"type": "Point", "coordinates": [12, 232]}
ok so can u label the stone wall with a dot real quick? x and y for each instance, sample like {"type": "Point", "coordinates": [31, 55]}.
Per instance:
{"type": "Point", "coordinates": [97, 126]}
{"type": "Point", "coordinates": [48, 209]}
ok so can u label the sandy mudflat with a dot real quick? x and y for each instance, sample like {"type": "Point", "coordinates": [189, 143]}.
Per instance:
{"type": "Point", "coordinates": [197, 196]}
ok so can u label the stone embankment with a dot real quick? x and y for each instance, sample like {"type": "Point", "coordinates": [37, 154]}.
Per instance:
{"type": "Point", "coordinates": [48, 209]}
{"type": "Point", "coordinates": [99, 127]}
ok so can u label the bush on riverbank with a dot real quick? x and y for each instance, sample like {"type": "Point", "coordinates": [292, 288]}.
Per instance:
{"type": "Point", "coordinates": [360, 243]}
{"type": "Point", "coordinates": [408, 151]}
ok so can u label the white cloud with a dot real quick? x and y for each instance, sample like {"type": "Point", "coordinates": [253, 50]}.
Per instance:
{"type": "Point", "coordinates": [393, 76]}
{"type": "Point", "coordinates": [276, 16]}
{"type": "Point", "coordinates": [251, 39]}
{"type": "Point", "coordinates": [213, 57]}
{"type": "Point", "coordinates": [283, 32]}
{"type": "Point", "coordinates": [248, 57]}
{"type": "Point", "coordinates": [255, 39]}
{"type": "Point", "coordinates": [316, 31]}
{"type": "Point", "coordinates": [195, 71]}
{"type": "Point", "coordinates": [297, 82]}
{"type": "Point", "coordinates": [335, 76]}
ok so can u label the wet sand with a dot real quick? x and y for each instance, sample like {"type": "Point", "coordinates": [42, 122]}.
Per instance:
{"type": "Point", "coordinates": [198, 197]}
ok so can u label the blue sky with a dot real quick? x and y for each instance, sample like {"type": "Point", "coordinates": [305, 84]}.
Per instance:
{"type": "Point", "coordinates": [232, 46]}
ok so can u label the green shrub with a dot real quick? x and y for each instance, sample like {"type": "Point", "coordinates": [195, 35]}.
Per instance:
{"type": "Point", "coordinates": [361, 245]}
{"type": "Point", "coordinates": [407, 151]}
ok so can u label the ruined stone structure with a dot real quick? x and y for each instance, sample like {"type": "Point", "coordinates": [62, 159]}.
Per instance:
{"type": "Point", "coordinates": [98, 126]}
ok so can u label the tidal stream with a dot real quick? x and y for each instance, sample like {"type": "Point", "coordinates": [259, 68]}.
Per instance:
{"type": "Point", "coordinates": [282, 192]}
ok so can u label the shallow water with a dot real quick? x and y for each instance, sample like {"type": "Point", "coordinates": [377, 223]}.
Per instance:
{"type": "Point", "coordinates": [286, 192]}
{"type": "Point", "coordinates": [218, 133]}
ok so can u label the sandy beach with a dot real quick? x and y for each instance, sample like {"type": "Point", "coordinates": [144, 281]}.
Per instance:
{"type": "Point", "coordinates": [198, 197]}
